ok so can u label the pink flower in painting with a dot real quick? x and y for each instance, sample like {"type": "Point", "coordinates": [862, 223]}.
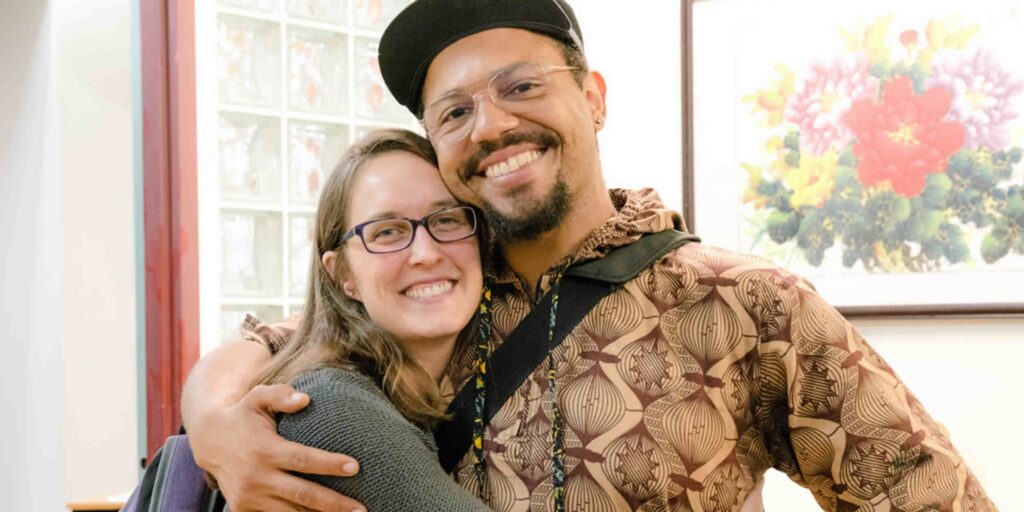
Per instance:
{"type": "Point", "coordinates": [824, 98]}
{"type": "Point", "coordinates": [982, 93]}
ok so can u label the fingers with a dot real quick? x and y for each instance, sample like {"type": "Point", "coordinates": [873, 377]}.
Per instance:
{"type": "Point", "coordinates": [291, 456]}
{"type": "Point", "coordinates": [297, 457]}
{"type": "Point", "coordinates": [256, 478]}
{"type": "Point", "coordinates": [288, 493]}
{"type": "Point", "coordinates": [314, 497]}
{"type": "Point", "coordinates": [269, 505]}
{"type": "Point", "coordinates": [276, 398]}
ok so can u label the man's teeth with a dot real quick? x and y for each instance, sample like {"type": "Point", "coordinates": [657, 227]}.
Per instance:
{"type": "Point", "coordinates": [512, 164]}
{"type": "Point", "coordinates": [425, 292]}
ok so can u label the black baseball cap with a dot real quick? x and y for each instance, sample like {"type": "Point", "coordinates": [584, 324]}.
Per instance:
{"type": "Point", "coordinates": [426, 27]}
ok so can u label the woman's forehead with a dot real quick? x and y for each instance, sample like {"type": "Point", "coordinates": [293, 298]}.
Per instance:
{"type": "Point", "coordinates": [398, 183]}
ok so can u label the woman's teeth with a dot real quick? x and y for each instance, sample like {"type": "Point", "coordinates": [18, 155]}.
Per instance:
{"type": "Point", "coordinates": [512, 164]}
{"type": "Point", "coordinates": [425, 292]}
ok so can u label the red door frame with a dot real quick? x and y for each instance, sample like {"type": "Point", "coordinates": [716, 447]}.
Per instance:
{"type": "Point", "coordinates": [167, 37]}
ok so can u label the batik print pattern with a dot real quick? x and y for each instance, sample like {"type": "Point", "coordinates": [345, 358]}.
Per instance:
{"type": "Point", "coordinates": [681, 389]}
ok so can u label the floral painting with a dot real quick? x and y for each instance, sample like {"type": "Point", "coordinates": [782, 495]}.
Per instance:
{"type": "Point", "coordinates": [889, 144]}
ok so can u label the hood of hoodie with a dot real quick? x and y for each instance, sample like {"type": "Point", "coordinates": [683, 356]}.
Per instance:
{"type": "Point", "coordinates": [637, 212]}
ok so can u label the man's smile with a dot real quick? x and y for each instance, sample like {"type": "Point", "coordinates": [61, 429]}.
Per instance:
{"type": "Point", "coordinates": [512, 152]}
{"type": "Point", "coordinates": [512, 164]}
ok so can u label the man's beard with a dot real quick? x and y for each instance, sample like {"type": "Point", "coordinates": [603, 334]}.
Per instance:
{"type": "Point", "coordinates": [541, 216]}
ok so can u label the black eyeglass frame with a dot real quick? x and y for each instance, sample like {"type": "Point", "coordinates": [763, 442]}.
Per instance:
{"type": "Point", "coordinates": [357, 230]}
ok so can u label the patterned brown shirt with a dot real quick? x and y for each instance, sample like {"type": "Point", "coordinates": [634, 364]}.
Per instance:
{"type": "Point", "coordinates": [682, 388]}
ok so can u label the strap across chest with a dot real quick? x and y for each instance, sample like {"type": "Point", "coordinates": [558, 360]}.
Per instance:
{"type": "Point", "coordinates": [583, 286]}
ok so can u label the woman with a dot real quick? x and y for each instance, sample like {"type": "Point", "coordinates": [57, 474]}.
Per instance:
{"type": "Point", "coordinates": [393, 286]}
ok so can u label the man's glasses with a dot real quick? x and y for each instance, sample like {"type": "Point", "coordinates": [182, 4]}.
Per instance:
{"type": "Point", "coordinates": [514, 89]}
{"type": "Point", "coordinates": [394, 234]}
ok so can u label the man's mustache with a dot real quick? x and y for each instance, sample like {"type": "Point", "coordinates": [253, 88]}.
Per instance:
{"type": "Point", "coordinates": [544, 140]}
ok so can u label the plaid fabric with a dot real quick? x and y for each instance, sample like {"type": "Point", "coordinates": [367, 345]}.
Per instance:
{"type": "Point", "coordinates": [273, 336]}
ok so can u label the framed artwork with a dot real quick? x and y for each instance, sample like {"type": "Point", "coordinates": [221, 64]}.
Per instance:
{"type": "Point", "coordinates": [873, 147]}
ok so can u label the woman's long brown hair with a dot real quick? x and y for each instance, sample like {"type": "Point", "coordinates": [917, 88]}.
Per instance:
{"type": "Point", "coordinates": [335, 330]}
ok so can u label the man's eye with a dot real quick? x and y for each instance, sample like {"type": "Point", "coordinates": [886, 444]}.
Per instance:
{"type": "Point", "coordinates": [455, 114]}
{"type": "Point", "coordinates": [523, 88]}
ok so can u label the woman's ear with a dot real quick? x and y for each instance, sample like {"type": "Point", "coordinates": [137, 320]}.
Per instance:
{"type": "Point", "coordinates": [350, 289]}
{"type": "Point", "coordinates": [330, 260]}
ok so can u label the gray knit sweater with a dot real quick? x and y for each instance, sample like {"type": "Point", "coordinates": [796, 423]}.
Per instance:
{"type": "Point", "coordinates": [399, 470]}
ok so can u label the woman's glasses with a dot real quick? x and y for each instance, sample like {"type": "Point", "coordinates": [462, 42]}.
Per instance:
{"type": "Point", "coordinates": [393, 234]}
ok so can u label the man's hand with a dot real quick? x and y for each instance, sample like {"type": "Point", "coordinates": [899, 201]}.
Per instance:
{"type": "Point", "coordinates": [240, 447]}
{"type": "Point", "coordinates": [234, 436]}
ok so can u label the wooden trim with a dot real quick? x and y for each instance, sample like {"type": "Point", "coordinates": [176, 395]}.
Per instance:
{"type": "Point", "coordinates": [167, 36]}
{"type": "Point", "coordinates": [686, 24]}
{"type": "Point", "coordinates": [930, 310]}
{"type": "Point", "coordinates": [92, 506]}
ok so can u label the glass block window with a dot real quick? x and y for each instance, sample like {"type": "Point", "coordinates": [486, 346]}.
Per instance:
{"type": "Point", "coordinates": [284, 86]}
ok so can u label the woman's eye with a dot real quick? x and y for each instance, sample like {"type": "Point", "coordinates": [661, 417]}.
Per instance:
{"type": "Point", "coordinates": [387, 234]}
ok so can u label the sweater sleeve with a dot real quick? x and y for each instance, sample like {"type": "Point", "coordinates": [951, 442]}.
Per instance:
{"type": "Point", "coordinates": [398, 464]}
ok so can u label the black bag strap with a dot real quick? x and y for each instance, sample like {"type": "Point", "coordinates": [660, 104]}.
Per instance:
{"type": "Point", "coordinates": [583, 286]}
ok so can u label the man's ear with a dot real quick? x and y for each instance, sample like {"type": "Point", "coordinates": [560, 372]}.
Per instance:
{"type": "Point", "coordinates": [594, 89]}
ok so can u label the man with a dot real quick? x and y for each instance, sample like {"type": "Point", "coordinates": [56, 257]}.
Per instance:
{"type": "Point", "coordinates": [676, 392]}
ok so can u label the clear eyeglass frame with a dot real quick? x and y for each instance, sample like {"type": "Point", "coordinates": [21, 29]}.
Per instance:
{"type": "Point", "coordinates": [514, 89]}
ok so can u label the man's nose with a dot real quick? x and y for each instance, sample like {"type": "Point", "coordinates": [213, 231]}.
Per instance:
{"type": "Point", "coordinates": [490, 120]}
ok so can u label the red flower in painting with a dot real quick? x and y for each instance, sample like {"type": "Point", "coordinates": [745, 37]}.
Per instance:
{"type": "Point", "coordinates": [903, 138]}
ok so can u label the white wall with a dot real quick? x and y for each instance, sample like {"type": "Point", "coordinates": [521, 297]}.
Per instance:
{"type": "Point", "coordinates": [637, 49]}
{"type": "Point", "coordinates": [31, 453]}
{"type": "Point", "coordinates": [67, 316]}
{"type": "Point", "coordinates": [97, 233]}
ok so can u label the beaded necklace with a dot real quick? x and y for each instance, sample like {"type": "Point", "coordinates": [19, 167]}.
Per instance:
{"type": "Point", "coordinates": [483, 357]}
{"type": "Point", "coordinates": [557, 427]}
{"type": "Point", "coordinates": [480, 400]}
